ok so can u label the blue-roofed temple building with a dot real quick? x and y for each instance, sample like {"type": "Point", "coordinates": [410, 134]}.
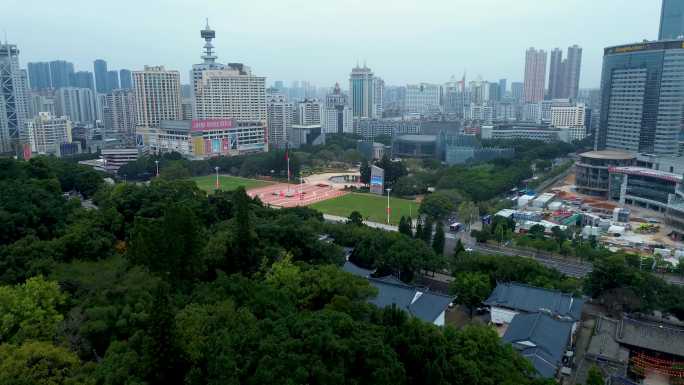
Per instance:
{"type": "Point", "coordinates": [419, 302]}
{"type": "Point", "coordinates": [539, 323]}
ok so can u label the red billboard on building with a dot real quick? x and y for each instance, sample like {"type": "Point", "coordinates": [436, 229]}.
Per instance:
{"type": "Point", "coordinates": [211, 124]}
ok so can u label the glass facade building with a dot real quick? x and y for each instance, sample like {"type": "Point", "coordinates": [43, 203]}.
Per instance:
{"type": "Point", "coordinates": [671, 20]}
{"type": "Point", "coordinates": [642, 99]}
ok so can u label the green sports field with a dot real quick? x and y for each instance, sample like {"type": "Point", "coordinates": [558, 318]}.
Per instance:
{"type": "Point", "coordinates": [208, 182]}
{"type": "Point", "coordinates": [372, 207]}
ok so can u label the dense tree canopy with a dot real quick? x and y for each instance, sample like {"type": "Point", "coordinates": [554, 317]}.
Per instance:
{"type": "Point", "coordinates": [162, 284]}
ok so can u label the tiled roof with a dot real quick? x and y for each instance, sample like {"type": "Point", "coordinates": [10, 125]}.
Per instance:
{"type": "Point", "coordinates": [540, 338]}
{"type": "Point", "coordinates": [652, 336]}
{"type": "Point", "coordinates": [532, 299]}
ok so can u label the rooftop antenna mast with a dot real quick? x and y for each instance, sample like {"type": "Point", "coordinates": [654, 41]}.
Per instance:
{"type": "Point", "coordinates": [208, 35]}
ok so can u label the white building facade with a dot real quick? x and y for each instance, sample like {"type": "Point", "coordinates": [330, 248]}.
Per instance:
{"type": "Point", "coordinates": [157, 96]}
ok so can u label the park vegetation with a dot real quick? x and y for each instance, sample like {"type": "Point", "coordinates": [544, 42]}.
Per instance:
{"type": "Point", "coordinates": [160, 283]}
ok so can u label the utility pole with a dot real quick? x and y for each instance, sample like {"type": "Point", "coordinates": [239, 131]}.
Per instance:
{"type": "Point", "coordinates": [218, 184]}
{"type": "Point", "coordinates": [388, 206]}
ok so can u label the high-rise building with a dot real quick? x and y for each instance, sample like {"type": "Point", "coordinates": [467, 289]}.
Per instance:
{"type": "Point", "coordinates": [279, 112]}
{"type": "Point", "coordinates": [119, 114]}
{"type": "Point", "coordinates": [13, 102]}
{"type": "Point", "coordinates": [113, 80]}
{"type": "Point", "coordinates": [361, 92]}
{"type": "Point", "coordinates": [642, 97]}
{"type": "Point", "coordinates": [61, 73]}
{"type": "Point", "coordinates": [556, 74]}
{"type": "Point", "coordinates": [39, 75]}
{"type": "Point", "coordinates": [232, 94]}
{"type": "Point", "coordinates": [571, 73]}
{"type": "Point", "coordinates": [378, 96]}
{"type": "Point", "coordinates": [186, 108]}
{"type": "Point", "coordinates": [494, 94]}
{"type": "Point", "coordinates": [571, 118]}
{"type": "Point", "coordinates": [308, 112]}
{"type": "Point", "coordinates": [422, 98]}
{"type": "Point", "coordinates": [100, 69]}
{"type": "Point", "coordinates": [337, 115]}
{"type": "Point", "coordinates": [157, 96]}
{"type": "Point", "coordinates": [502, 88]}
{"type": "Point", "coordinates": [77, 104]}
{"type": "Point", "coordinates": [83, 79]}
{"type": "Point", "coordinates": [517, 90]}
{"type": "Point", "coordinates": [47, 132]}
{"type": "Point", "coordinates": [671, 20]}
{"type": "Point", "coordinates": [41, 101]}
{"type": "Point", "coordinates": [535, 75]}
{"type": "Point", "coordinates": [125, 79]}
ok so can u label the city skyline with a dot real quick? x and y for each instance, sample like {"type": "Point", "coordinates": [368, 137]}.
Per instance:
{"type": "Point", "coordinates": [394, 45]}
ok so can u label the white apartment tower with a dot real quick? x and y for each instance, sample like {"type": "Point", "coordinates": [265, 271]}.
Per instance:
{"type": "Point", "coordinates": [157, 96]}
{"type": "Point", "coordinates": [227, 91]}
{"type": "Point", "coordinates": [119, 113]}
{"type": "Point", "coordinates": [47, 132]}
{"type": "Point", "coordinates": [308, 112]}
{"type": "Point", "coordinates": [422, 98]}
{"type": "Point", "coordinates": [572, 118]}
{"type": "Point", "coordinates": [280, 117]}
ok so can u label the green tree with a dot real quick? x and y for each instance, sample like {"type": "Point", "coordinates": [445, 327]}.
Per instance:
{"type": "Point", "coordinates": [419, 229]}
{"type": "Point", "coordinates": [468, 213]}
{"type": "Point", "coordinates": [426, 235]}
{"type": "Point", "coordinates": [594, 377]}
{"type": "Point", "coordinates": [405, 226]}
{"type": "Point", "coordinates": [439, 239]}
{"type": "Point", "coordinates": [29, 310]}
{"type": "Point", "coordinates": [437, 206]}
{"type": "Point", "coordinates": [355, 218]}
{"type": "Point", "coordinates": [36, 362]}
{"type": "Point", "coordinates": [174, 170]}
{"type": "Point", "coordinates": [470, 289]}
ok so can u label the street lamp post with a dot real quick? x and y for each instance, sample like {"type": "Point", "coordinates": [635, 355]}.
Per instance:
{"type": "Point", "coordinates": [388, 206]}
{"type": "Point", "coordinates": [218, 185]}
{"type": "Point", "coordinates": [156, 163]}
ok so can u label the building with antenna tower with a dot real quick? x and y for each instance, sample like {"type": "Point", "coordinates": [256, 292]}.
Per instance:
{"type": "Point", "coordinates": [13, 103]}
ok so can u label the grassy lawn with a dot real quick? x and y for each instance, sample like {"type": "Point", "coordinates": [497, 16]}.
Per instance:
{"type": "Point", "coordinates": [208, 182]}
{"type": "Point", "coordinates": [372, 207]}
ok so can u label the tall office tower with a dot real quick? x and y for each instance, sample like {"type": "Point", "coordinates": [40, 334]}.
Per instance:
{"type": "Point", "coordinates": [39, 75]}
{"type": "Point", "coordinates": [13, 104]}
{"type": "Point", "coordinates": [571, 72]}
{"type": "Point", "coordinates": [78, 104]}
{"type": "Point", "coordinates": [452, 102]}
{"type": "Point", "coordinates": [47, 132]}
{"type": "Point", "coordinates": [119, 114]}
{"type": "Point", "coordinates": [517, 90]}
{"type": "Point", "coordinates": [378, 96]}
{"type": "Point", "coordinates": [556, 74]}
{"type": "Point", "coordinates": [361, 90]}
{"type": "Point", "coordinates": [279, 113]}
{"type": "Point", "coordinates": [61, 73]}
{"type": "Point", "coordinates": [83, 79]}
{"type": "Point", "coordinates": [494, 94]}
{"type": "Point", "coordinates": [157, 96]}
{"type": "Point", "coordinates": [502, 88]}
{"type": "Point", "coordinates": [279, 85]}
{"type": "Point", "coordinates": [535, 75]}
{"type": "Point", "coordinates": [671, 20]}
{"type": "Point", "coordinates": [337, 115]}
{"type": "Point", "coordinates": [100, 69]}
{"type": "Point", "coordinates": [126, 79]}
{"type": "Point", "coordinates": [308, 112]}
{"type": "Point", "coordinates": [422, 98]}
{"type": "Point", "coordinates": [642, 97]}
{"type": "Point", "coordinates": [113, 80]}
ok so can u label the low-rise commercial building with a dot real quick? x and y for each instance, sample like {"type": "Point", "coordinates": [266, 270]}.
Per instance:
{"type": "Point", "coordinates": [591, 170]}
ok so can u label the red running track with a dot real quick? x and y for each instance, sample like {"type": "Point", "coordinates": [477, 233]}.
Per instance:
{"type": "Point", "coordinates": [276, 195]}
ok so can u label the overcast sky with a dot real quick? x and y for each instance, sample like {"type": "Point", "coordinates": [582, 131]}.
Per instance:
{"type": "Point", "coordinates": [403, 41]}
